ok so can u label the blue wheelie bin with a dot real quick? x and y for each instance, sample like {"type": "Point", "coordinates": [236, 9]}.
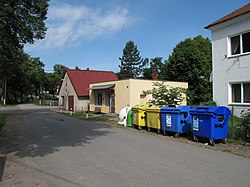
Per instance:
{"type": "Point", "coordinates": [210, 122]}
{"type": "Point", "coordinates": [175, 119]}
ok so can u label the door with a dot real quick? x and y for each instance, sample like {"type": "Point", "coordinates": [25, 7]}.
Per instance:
{"type": "Point", "coordinates": [71, 103]}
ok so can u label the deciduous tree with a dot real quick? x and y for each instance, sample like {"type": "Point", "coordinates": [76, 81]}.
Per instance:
{"type": "Point", "coordinates": [191, 61]}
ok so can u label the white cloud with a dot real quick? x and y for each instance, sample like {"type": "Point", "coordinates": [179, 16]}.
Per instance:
{"type": "Point", "coordinates": [68, 25]}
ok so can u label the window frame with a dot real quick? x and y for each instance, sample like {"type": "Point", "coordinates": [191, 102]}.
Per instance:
{"type": "Point", "coordinates": [241, 45]}
{"type": "Point", "coordinates": [242, 93]}
{"type": "Point", "coordinates": [97, 101]}
{"type": "Point", "coordinates": [107, 98]}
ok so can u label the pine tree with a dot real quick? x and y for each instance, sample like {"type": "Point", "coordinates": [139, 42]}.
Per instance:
{"type": "Point", "coordinates": [131, 62]}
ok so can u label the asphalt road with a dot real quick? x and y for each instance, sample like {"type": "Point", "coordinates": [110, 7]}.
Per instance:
{"type": "Point", "coordinates": [43, 148]}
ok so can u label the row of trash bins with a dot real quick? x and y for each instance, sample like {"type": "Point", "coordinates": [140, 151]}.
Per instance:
{"type": "Point", "coordinates": [210, 122]}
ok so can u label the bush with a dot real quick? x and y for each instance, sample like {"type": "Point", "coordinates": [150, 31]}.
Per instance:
{"type": "Point", "coordinates": [208, 103]}
{"type": "Point", "coordinates": [163, 94]}
{"type": "Point", "coordinates": [242, 130]}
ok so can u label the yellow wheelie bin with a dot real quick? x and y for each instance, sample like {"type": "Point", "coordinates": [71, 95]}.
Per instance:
{"type": "Point", "coordinates": [139, 115]}
{"type": "Point", "coordinates": [153, 118]}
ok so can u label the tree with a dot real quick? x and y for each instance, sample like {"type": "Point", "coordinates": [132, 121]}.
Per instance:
{"type": "Point", "coordinates": [156, 64]}
{"type": "Point", "coordinates": [59, 70]}
{"type": "Point", "coordinates": [53, 80]}
{"type": "Point", "coordinates": [163, 94]}
{"type": "Point", "coordinates": [77, 68]}
{"type": "Point", "coordinates": [21, 22]}
{"type": "Point", "coordinates": [191, 61]}
{"type": "Point", "coordinates": [27, 79]}
{"type": "Point", "coordinates": [131, 62]}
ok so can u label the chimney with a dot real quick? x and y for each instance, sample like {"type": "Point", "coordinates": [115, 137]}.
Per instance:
{"type": "Point", "coordinates": [155, 74]}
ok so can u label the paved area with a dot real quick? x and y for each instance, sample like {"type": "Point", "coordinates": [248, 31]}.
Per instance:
{"type": "Point", "coordinates": [42, 148]}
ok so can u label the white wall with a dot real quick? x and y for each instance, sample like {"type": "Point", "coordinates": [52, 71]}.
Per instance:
{"type": "Point", "coordinates": [228, 69]}
{"type": "Point", "coordinates": [67, 90]}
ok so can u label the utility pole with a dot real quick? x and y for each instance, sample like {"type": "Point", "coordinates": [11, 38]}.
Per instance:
{"type": "Point", "coordinates": [5, 90]}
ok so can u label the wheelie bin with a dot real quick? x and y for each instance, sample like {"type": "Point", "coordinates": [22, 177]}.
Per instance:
{"type": "Point", "coordinates": [210, 122]}
{"type": "Point", "coordinates": [175, 119]}
{"type": "Point", "coordinates": [153, 118]}
{"type": "Point", "coordinates": [129, 118]}
{"type": "Point", "coordinates": [139, 116]}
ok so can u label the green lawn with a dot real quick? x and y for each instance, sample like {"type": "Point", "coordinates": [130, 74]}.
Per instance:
{"type": "Point", "coordinates": [94, 117]}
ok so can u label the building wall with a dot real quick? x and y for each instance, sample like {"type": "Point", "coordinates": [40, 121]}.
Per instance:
{"type": "Point", "coordinates": [228, 69]}
{"type": "Point", "coordinates": [67, 89]}
{"type": "Point", "coordinates": [129, 93]}
{"type": "Point", "coordinates": [121, 97]}
{"type": "Point", "coordinates": [137, 86]}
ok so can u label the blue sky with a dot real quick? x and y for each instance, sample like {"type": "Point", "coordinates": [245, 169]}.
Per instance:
{"type": "Point", "coordinates": [93, 33]}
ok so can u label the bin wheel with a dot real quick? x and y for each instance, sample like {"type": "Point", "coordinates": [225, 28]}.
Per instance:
{"type": "Point", "coordinates": [148, 129]}
{"type": "Point", "coordinates": [211, 142]}
{"type": "Point", "coordinates": [176, 135]}
{"type": "Point", "coordinates": [133, 126]}
{"type": "Point", "coordinates": [224, 141]}
{"type": "Point", "coordinates": [164, 133]}
{"type": "Point", "coordinates": [139, 127]}
{"type": "Point", "coordinates": [195, 138]}
{"type": "Point", "coordinates": [158, 131]}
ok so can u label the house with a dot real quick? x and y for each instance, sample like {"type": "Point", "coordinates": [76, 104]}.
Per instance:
{"type": "Point", "coordinates": [231, 59]}
{"type": "Point", "coordinates": [74, 93]}
{"type": "Point", "coordinates": [112, 96]}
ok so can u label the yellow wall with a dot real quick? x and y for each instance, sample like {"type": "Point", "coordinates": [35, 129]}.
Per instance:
{"type": "Point", "coordinates": [129, 93]}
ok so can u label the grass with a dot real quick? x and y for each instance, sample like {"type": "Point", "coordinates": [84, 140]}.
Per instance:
{"type": "Point", "coordinates": [3, 118]}
{"type": "Point", "coordinates": [93, 117]}
{"type": "Point", "coordinates": [7, 105]}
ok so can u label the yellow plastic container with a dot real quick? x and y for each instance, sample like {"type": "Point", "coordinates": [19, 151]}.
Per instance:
{"type": "Point", "coordinates": [153, 118]}
{"type": "Point", "coordinates": [139, 115]}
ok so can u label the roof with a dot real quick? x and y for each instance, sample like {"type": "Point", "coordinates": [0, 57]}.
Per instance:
{"type": "Point", "coordinates": [81, 79]}
{"type": "Point", "coordinates": [243, 10]}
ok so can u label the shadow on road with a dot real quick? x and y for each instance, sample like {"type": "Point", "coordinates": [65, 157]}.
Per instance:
{"type": "Point", "coordinates": [2, 166]}
{"type": "Point", "coordinates": [31, 133]}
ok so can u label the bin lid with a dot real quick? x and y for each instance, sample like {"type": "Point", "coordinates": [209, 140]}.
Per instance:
{"type": "Point", "coordinates": [153, 108]}
{"type": "Point", "coordinates": [209, 110]}
{"type": "Point", "coordinates": [185, 108]}
{"type": "Point", "coordinates": [140, 107]}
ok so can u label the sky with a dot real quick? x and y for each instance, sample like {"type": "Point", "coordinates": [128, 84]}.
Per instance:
{"type": "Point", "coordinates": [93, 33]}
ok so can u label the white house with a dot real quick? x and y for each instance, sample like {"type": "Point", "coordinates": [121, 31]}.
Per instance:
{"type": "Point", "coordinates": [231, 59]}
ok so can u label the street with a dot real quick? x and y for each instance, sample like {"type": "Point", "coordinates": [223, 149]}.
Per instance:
{"type": "Point", "coordinates": [43, 148]}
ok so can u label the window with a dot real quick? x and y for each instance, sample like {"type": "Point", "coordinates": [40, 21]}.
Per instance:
{"type": "Point", "coordinates": [98, 99]}
{"type": "Point", "coordinates": [240, 93]}
{"type": "Point", "coordinates": [246, 93]}
{"type": "Point", "coordinates": [107, 99]}
{"type": "Point", "coordinates": [235, 45]}
{"type": "Point", "coordinates": [240, 44]}
{"type": "Point", "coordinates": [246, 42]}
{"type": "Point", "coordinates": [236, 93]}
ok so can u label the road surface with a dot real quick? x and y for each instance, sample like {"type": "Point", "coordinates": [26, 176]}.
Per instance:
{"type": "Point", "coordinates": [43, 148]}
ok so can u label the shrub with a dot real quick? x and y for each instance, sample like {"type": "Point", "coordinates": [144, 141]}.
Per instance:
{"type": "Point", "coordinates": [165, 95]}
{"type": "Point", "coordinates": [242, 130]}
{"type": "Point", "coordinates": [208, 103]}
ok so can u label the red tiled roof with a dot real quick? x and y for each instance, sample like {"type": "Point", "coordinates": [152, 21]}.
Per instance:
{"type": "Point", "coordinates": [232, 15]}
{"type": "Point", "coordinates": [81, 79]}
